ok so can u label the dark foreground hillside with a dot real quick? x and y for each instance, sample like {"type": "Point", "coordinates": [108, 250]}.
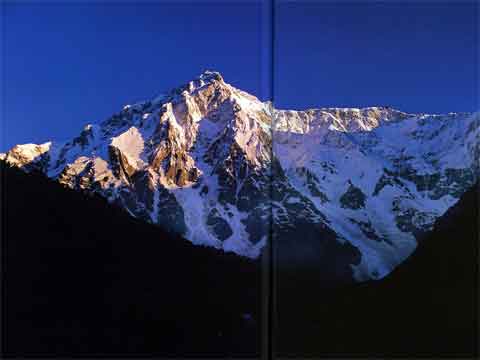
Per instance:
{"type": "Point", "coordinates": [81, 277]}
{"type": "Point", "coordinates": [426, 308]}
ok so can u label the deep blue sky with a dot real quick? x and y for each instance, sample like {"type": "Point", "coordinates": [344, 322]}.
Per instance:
{"type": "Point", "coordinates": [70, 64]}
{"type": "Point", "coordinates": [412, 55]}
{"type": "Point", "coordinates": [65, 65]}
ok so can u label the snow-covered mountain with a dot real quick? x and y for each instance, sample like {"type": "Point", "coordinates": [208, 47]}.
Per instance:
{"type": "Point", "coordinates": [350, 190]}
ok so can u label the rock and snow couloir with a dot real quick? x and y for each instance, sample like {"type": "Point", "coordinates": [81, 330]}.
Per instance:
{"type": "Point", "coordinates": [353, 188]}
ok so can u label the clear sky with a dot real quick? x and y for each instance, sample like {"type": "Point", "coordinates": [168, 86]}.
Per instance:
{"type": "Point", "coordinates": [68, 64]}
{"type": "Point", "coordinates": [417, 56]}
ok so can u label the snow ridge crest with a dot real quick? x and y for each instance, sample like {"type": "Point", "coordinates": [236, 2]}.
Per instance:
{"type": "Point", "coordinates": [200, 159]}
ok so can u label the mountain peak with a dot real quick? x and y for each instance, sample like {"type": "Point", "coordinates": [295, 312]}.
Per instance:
{"type": "Point", "coordinates": [198, 161]}
{"type": "Point", "coordinates": [210, 75]}
{"type": "Point", "coordinates": [25, 154]}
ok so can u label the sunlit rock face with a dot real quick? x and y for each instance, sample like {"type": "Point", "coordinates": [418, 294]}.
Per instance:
{"type": "Point", "coordinates": [381, 177]}
{"type": "Point", "coordinates": [348, 190]}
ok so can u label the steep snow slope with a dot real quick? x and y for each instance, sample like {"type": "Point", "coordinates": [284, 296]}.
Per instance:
{"type": "Point", "coordinates": [349, 190]}
{"type": "Point", "coordinates": [381, 177]}
{"type": "Point", "coordinates": [181, 160]}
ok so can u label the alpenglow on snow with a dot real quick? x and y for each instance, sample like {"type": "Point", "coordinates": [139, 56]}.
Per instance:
{"type": "Point", "coordinates": [353, 189]}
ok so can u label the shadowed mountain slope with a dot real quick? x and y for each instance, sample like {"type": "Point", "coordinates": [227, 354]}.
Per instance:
{"type": "Point", "coordinates": [202, 160]}
{"type": "Point", "coordinates": [427, 307]}
{"type": "Point", "coordinates": [82, 277]}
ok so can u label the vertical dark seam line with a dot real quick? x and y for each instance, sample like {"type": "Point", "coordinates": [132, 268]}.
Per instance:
{"type": "Point", "coordinates": [271, 257]}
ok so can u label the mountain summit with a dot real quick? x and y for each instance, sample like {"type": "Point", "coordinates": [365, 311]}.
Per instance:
{"type": "Point", "coordinates": [348, 190]}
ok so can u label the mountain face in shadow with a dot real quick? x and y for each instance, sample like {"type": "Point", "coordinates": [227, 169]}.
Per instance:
{"type": "Point", "coordinates": [427, 307]}
{"type": "Point", "coordinates": [218, 166]}
{"type": "Point", "coordinates": [82, 277]}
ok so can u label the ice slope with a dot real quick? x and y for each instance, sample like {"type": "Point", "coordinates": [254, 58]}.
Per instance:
{"type": "Point", "coordinates": [381, 177]}
{"type": "Point", "coordinates": [222, 168]}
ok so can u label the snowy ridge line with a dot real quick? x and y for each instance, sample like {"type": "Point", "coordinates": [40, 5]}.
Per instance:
{"type": "Point", "coordinates": [197, 159]}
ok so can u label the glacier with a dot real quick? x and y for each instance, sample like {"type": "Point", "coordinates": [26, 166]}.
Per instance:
{"type": "Point", "coordinates": [224, 169]}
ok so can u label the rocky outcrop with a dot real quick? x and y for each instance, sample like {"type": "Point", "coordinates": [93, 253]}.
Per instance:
{"type": "Point", "coordinates": [349, 189]}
